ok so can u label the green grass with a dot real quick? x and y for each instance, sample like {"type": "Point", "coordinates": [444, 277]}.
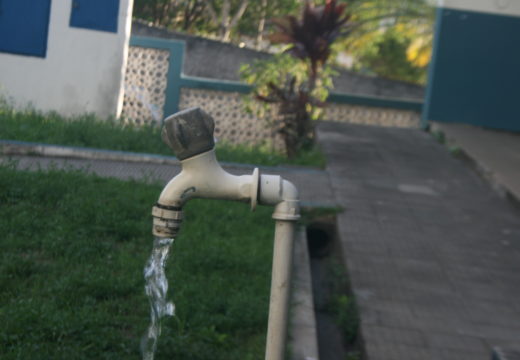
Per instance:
{"type": "Point", "coordinates": [342, 306]}
{"type": "Point", "coordinates": [88, 131]}
{"type": "Point", "coordinates": [261, 155]}
{"type": "Point", "coordinates": [311, 215]}
{"type": "Point", "coordinates": [71, 258]}
{"type": "Point", "coordinates": [439, 136]}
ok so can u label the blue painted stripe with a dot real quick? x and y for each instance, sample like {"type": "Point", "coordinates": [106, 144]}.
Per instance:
{"type": "Point", "coordinates": [339, 98]}
{"type": "Point", "coordinates": [374, 101]}
{"type": "Point", "coordinates": [176, 59]}
{"type": "Point", "coordinates": [212, 84]}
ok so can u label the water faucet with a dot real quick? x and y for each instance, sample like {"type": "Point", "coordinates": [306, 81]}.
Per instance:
{"type": "Point", "coordinates": [189, 133]}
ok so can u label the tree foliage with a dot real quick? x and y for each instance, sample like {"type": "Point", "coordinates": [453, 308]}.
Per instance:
{"type": "Point", "coordinates": [284, 79]}
{"type": "Point", "coordinates": [392, 38]}
{"type": "Point", "coordinates": [225, 15]}
{"type": "Point", "coordinates": [386, 56]}
{"type": "Point", "coordinates": [227, 20]}
{"type": "Point", "coordinates": [185, 15]}
{"type": "Point", "coordinates": [256, 20]}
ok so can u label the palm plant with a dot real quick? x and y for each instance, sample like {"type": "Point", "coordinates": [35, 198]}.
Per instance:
{"type": "Point", "coordinates": [309, 40]}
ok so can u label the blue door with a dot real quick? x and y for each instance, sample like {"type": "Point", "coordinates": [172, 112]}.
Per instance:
{"type": "Point", "coordinates": [475, 77]}
{"type": "Point", "coordinates": [24, 26]}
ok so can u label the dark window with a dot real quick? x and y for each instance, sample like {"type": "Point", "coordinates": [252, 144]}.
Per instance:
{"type": "Point", "coordinates": [24, 26]}
{"type": "Point", "coordinates": [95, 14]}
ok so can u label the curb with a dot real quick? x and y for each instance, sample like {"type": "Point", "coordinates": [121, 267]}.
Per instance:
{"type": "Point", "coordinates": [25, 148]}
{"type": "Point", "coordinates": [489, 177]}
{"type": "Point", "coordinates": [11, 147]}
{"type": "Point", "coordinates": [480, 169]}
{"type": "Point", "coordinates": [302, 332]}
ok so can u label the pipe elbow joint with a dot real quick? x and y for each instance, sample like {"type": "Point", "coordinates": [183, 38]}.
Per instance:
{"type": "Point", "coordinates": [274, 190]}
{"type": "Point", "coordinates": [289, 207]}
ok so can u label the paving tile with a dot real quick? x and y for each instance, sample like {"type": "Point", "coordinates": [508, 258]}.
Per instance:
{"type": "Point", "coordinates": [393, 335]}
{"type": "Point", "coordinates": [450, 341]}
{"type": "Point", "coordinates": [399, 352]}
{"type": "Point", "coordinates": [452, 354]}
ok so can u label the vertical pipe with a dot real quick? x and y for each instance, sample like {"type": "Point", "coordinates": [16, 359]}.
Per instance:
{"type": "Point", "coordinates": [280, 290]}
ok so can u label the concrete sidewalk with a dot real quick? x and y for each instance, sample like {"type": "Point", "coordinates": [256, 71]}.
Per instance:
{"type": "Point", "coordinates": [495, 154]}
{"type": "Point", "coordinates": [432, 251]}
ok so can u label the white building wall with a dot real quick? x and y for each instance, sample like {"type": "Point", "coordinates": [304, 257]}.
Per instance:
{"type": "Point", "coordinates": [83, 71]}
{"type": "Point", "coordinates": [500, 7]}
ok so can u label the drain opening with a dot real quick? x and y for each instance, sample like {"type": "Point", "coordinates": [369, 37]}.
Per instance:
{"type": "Point", "coordinates": [319, 240]}
{"type": "Point", "coordinates": [334, 305]}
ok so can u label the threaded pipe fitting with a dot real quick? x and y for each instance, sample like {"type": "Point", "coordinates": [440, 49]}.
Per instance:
{"type": "Point", "coordinates": [166, 220]}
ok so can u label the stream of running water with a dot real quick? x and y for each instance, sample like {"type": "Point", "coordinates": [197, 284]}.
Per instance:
{"type": "Point", "coordinates": [156, 287]}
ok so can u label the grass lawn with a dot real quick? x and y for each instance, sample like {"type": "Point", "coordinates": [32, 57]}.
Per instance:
{"type": "Point", "coordinates": [72, 251]}
{"type": "Point", "coordinates": [87, 131]}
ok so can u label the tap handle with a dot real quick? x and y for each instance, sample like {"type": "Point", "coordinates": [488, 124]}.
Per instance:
{"type": "Point", "coordinates": [189, 132]}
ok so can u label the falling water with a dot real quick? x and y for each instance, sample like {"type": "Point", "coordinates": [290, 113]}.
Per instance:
{"type": "Point", "coordinates": [156, 288]}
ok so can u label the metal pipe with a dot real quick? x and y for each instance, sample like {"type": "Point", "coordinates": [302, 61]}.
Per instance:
{"type": "Point", "coordinates": [189, 134]}
{"type": "Point", "coordinates": [280, 290]}
{"type": "Point", "coordinates": [273, 190]}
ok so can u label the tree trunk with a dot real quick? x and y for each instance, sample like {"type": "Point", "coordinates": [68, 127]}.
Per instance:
{"type": "Point", "coordinates": [225, 21]}
{"type": "Point", "coordinates": [261, 26]}
{"type": "Point", "coordinates": [191, 14]}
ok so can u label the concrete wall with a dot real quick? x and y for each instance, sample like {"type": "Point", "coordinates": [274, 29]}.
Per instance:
{"type": "Point", "coordinates": [217, 60]}
{"type": "Point", "coordinates": [233, 125]}
{"type": "Point", "coordinates": [82, 71]}
{"type": "Point", "coordinates": [352, 83]}
{"type": "Point", "coordinates": [204, 57]}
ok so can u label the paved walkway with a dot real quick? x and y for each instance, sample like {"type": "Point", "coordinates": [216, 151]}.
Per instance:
{"type": "Point", "coordinates": [432, 251]}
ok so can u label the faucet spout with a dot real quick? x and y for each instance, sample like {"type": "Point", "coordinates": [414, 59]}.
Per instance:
{"type": "Point", "coordinates": [203, 177]}
{"type": "Point", "coordinates": [190, 134]}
